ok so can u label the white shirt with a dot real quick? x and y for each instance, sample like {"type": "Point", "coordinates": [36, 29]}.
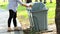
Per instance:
{"type": "Point", "coordinates": [13, 4]}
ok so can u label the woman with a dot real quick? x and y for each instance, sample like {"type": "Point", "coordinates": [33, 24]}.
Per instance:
{"type": "Point", "coordinates": [12, 6]}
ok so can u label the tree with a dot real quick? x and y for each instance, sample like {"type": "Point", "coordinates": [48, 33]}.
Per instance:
{"type": "Point", "coordinates": [50, 1]}
{"type": "Point", "coordinates": [57, 17]}
{"type": "Point", "coordinates": [4, 0]}
{"type": "Point", "coordinates": [36, 0]}
{"type": "Point", "coordinates": [22, 0]}
{"type": "Point", "coordinates": [44, 1]}
{"type": "Point", "coordinates": [28, 1]}
{"type": "Point", "coordinates": [40, 0]}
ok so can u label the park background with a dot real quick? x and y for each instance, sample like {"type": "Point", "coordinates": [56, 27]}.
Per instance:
{"type": "Point", "coordinates": [22, 14]}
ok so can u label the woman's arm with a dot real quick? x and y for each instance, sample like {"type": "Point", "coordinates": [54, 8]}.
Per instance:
{"type": "Point", "coordinates": [20, 2]}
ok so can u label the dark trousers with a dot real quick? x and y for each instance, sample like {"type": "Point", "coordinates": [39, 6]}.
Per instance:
{"type": "Point", "coordinates": [12, 14]}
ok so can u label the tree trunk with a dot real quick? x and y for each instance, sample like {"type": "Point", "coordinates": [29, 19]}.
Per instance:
{"type": "Point", "coordinates": [28, 1]}
{"type": "Point", "coordinates": [50, 1]}
{"type": "Point", "coordinates": [22, 0]}
{"type": "Point", "coordinates": [57, 17]}
{"type": "Point", "coordinates": [44, 1]}
{"type": "Point", "coordinates": [3, 0]}
{"type": "Point", "coordinates": [40, 0]}
{"type": "Point", "coordinates": [36, 0]}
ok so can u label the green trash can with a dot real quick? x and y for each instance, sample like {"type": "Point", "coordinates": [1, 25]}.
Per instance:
{"type": "Point", "coordinates": [39, 17]}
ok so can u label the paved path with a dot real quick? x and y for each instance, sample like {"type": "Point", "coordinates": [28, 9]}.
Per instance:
{"type": "Point", "coordinates": [53, 27]}
{"type": "Point", "coordinates": [3, 23]}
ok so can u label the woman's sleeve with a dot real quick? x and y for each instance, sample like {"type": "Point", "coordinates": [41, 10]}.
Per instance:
{"type": "Point", "coordinates": [20, 2]}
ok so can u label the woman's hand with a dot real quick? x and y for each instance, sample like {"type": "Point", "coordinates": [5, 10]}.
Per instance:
{"type": "Point", "coordinates": [30, 5]}
{"type": "Point", "coordinates": [26, 5]}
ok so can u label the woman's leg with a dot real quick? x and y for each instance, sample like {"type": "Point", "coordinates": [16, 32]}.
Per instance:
{"type": "Point", "coordinates": [15, 22]}
{"type": "Point", "coordinates": [14, 19]}
{"type": "Point", "coordinates": [10, 17]}
{"type": "Point", "coordinates": [9, 20]}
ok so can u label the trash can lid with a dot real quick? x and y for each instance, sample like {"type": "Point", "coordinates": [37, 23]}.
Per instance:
{"type": "Point", "coordinates": [38, 6]}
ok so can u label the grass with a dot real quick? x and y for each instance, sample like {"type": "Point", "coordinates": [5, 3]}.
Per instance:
{"type": "Point", "coordinates": [51, 11]}
{"type": "Point", "coordinates": [23, 15]}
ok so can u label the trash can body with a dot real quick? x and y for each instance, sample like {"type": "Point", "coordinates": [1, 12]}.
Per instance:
{"type": "Point", "coordinates": [40, 20]}
{"type": "Point", "coordinates": [38, 17]}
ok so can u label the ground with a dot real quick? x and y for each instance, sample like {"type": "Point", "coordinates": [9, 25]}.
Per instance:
{"type": "Point", "coordinates": [3, 25]}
